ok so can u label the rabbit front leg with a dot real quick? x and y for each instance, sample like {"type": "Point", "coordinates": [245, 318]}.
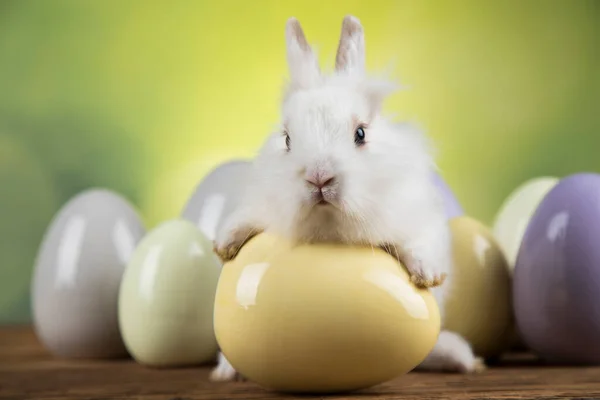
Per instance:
{"type": "Point", "coordinates": [423, 273]}
{"type": "Point", "coordinates": [426, 255]}
{"type": "Point", "coordinates": [237, 230]}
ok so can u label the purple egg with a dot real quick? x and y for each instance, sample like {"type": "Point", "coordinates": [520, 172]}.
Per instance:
{"type": "Point", "coordinates": [556, 287]}
{"type": "Point", "coordinates": [451, 204]}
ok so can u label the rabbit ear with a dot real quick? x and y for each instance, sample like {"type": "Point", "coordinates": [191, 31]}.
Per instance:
{"type": "Point", "coordinates": [351, 50]}
{"type": "Point", "coordinates": [303, 65]}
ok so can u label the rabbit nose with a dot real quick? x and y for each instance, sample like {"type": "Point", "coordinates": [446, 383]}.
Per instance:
{"type": "Point", "coordinates": [320, 180]}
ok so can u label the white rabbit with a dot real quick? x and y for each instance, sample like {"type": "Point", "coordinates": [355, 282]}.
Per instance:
{"type": "Point", "coordinates": [337, 170]}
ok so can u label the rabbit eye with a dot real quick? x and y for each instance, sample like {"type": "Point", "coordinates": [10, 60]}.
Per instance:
{"type": "Point", "coordinates": [359, 136]}
{"type": "Point", "coordinates": [288, 142]}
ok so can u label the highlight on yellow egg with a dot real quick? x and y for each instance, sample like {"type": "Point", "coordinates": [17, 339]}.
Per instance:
{"type": "Point", "coordinates": [166, 298]}
{"type": "Point", "coordinates": [479, 305]}
{"type": "Point", "coordinates": [321, 317]}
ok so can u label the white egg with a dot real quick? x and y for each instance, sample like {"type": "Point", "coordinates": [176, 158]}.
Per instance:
{"type": "Point", "coordinates": [167, 297]}
{"type": "Point", "coordinates": [78, 271]}
{"type": "Point", "coordinates": [217, 196]}
{"type": "Point", "coordinates": [514, 215]}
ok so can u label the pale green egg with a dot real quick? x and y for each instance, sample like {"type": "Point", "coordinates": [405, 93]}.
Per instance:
{"type": "Point", "coordinates": [167, 296]}
{"type": "Point", "coordinates": [514, 215]}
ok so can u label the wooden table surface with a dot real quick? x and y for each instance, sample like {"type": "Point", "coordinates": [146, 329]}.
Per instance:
{"type": "Point", "coordinates": [27, 371]}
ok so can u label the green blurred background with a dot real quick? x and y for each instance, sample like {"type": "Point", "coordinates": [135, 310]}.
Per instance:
{"type": "Point", "coordinates": [144, 97]}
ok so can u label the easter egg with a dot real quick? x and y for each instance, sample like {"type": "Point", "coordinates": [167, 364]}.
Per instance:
{"type": "Point", "coordinates": [321, 317]}
{"type": "Point", "coordinates": [166, 299]}
{"type": "Point", "coordinates": [478, 303]}
{"type": "Point", "coordinates": [217, 196]}
{"type": "Point", "coordinates": [557, 274]}
{"type": "Point", "coordinates": [515, 213]}
{"type": "Point", "coordinates": [78, 271]}
{"type": "Point", "coordinates": [451, 204]}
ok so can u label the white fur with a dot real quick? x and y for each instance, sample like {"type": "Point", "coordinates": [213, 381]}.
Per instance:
{"type": "Point", "coordinates": [383, 195]}
{"type": "Point", "coordinates": [224, 371]}
{"type": "Point", "coordinates": [452, 353]}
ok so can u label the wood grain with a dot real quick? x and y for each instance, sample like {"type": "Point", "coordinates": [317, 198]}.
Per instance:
{"type": "Point", "coordinates": [27, 371]}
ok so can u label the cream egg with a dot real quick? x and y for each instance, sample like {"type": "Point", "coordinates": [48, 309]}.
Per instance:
{"type": "Point", "coordinates": [479, 302]}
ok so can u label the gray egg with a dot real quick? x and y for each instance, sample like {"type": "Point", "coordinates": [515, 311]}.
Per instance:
{"type": "Point", "coordinates": [78, 271]}
{"type": "Point", "coordinates": [217, 196]}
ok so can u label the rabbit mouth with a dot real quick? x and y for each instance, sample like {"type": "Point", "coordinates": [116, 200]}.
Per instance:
{"type": "Point", "coordinates": [321, 198]}
{"type": "Point", "coordinates": [318, 198]}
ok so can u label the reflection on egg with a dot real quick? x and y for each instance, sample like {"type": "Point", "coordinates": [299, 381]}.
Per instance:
{"type": "Point", "coordinates": [321, 318]}
{"type": "Point", "coordinates": [478, 305]}
{"type": "Point", "coordinates": [167, 297]}
{"type": "Point", "coordinates": [217, 196]}
{"type": "Point", "coordinates": [514, 215]}
{"type": "Point", "coordinates": [557, 275]}
{"type": "Point", "coordinates": [78, 272]}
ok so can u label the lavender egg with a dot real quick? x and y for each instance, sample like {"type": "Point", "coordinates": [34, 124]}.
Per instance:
{"type": "Point", "coordinates": [556, 288]}
{"type": "Point", "coordinates": [451, 204]}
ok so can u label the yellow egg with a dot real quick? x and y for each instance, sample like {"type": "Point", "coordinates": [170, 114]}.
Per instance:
{"type": "Point", "coordinates": [479, 303]}
{"type": "Point", "coordinates": [321, 318]}
{"type": "Point", "coordinates": [514, 215]}
{"type": "Point", "coordinates": [166, 298]}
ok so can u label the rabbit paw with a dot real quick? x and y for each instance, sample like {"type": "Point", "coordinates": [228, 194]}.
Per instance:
{"type": "Point", "coordinates": [228, 247]}
{"type": "Point", "coordinates": [421, 276]}
{"type": "Point", "coordinates": [228, 251]}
